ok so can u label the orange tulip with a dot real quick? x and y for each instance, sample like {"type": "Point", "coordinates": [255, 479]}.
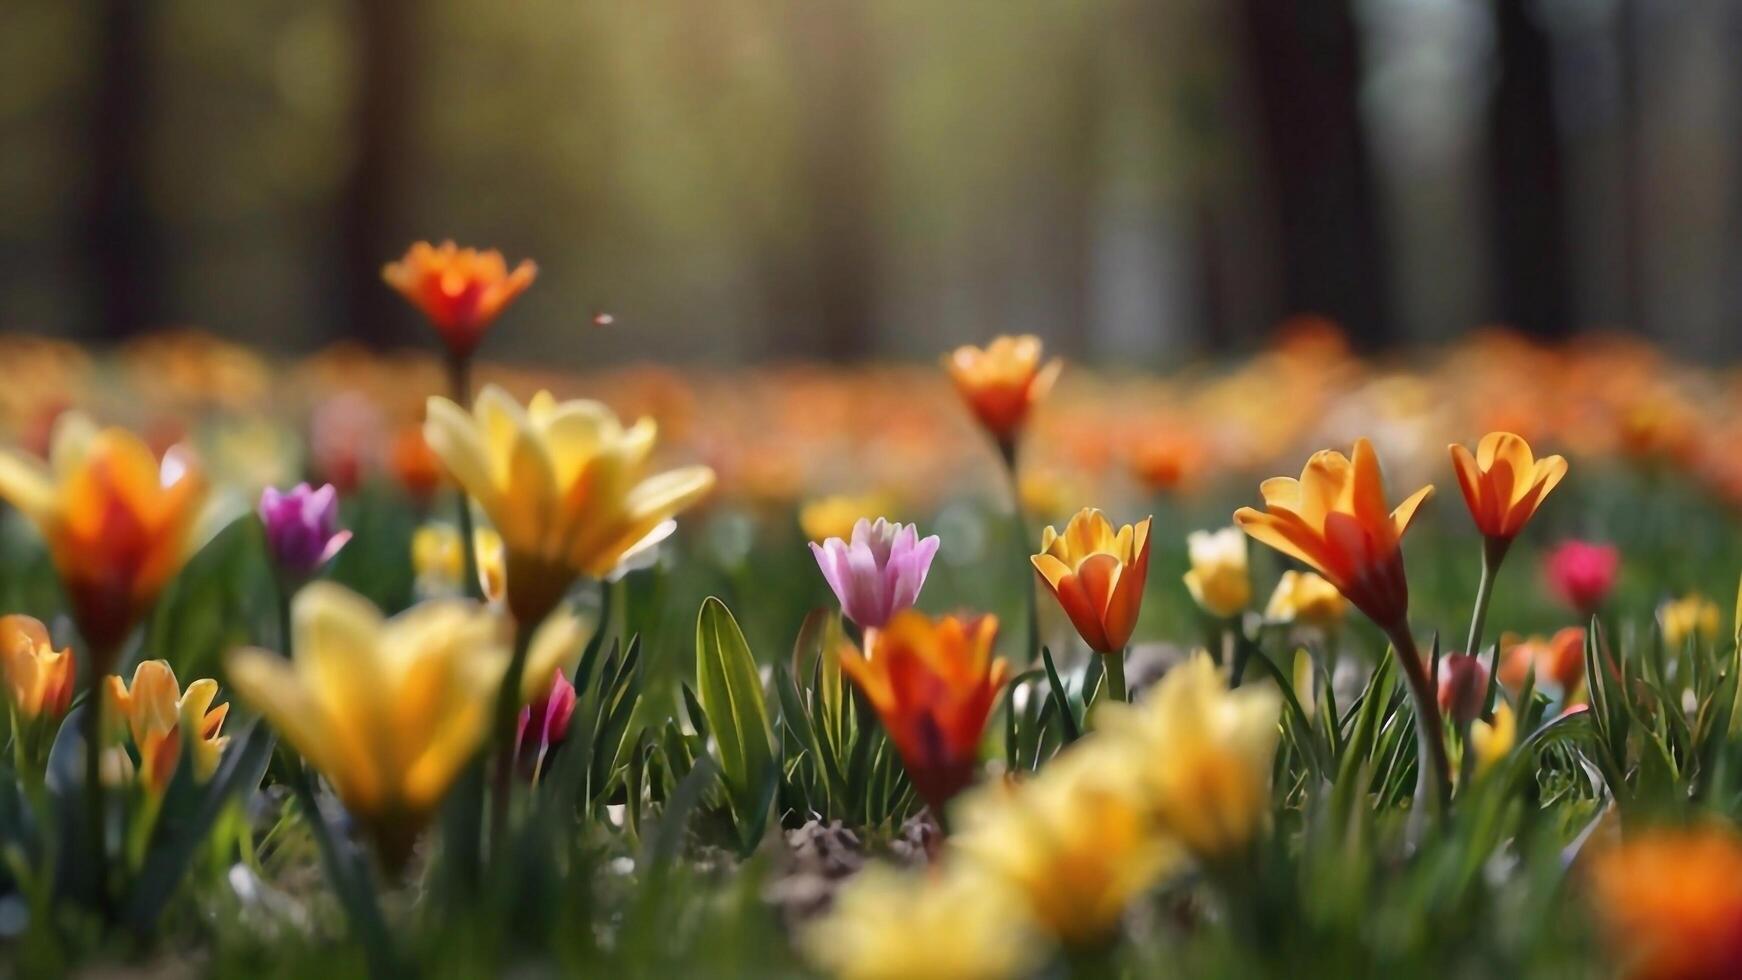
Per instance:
{"type": "Point", "coordinates": [1334, 519]}
{"type": "Point", "coordinates": [460, 290]}
{"type": "Point", "coordinates": [1504, 483]}
{"type": "Point", "coordinates": [933, 683]}
{"type": "Point", "coordinates": [1671, 902]}
{"type": "Point", "coordinates": [1558, 660]}
{"type": "Point", "coordinates": [38, 678]}
{"type": "Point", "coordinates": [1097, 575]}
{"type": "Point", "coordinates": [118, 524]}
{"type": "Point", "coordinates": [154, 711]}
{"type": "Point", "coordinates": [1001, 382]}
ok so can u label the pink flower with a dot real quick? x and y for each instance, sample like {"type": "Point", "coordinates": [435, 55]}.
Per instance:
{"type": "Point", "coordinates": [1463, 687]}
{"type": "Point", "coordinates": [1582, 574]}
{"type": "Point", "coordinates": [550, 714]}
{"type": "Point", "coordinates": [880, 573]}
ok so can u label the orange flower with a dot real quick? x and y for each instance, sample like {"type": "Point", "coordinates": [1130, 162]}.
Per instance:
{"type": "Point", "coordinates": [415, 465]}
{"type": "Point", "coordinates": [1167, 462]}
{"type": "Point", "coordinates": [1001, 382]}
{"type": "Point", "coordinates": [118, 524]}
{"type": "Point", "coordinates": [1334, 519]}
{"type": "Point", "coordinates": [1504, 483]}
{"type": "Point", "coordinates": [38, 678]}
{"type": "Point", "coordinates": [1559, 660]}
{"type": "Point", "coordinates": [1671, 901]}
{"type": "Point", "coordinates": [1097, 575]}
{"type": "Point", "coordinates": [154, 711]}
{"type": "Point", "coordinates": [933, 682]}
{"type": "Point", "coordinates": [460, 290]}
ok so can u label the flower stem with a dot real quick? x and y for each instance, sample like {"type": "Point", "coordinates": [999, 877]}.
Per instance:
{"type": "Point", "coordinates": [507, 713]}
{"type": "Point", "coordinates": [96, 836]}
{"type": "Point", "coordinates": [1113, 666]}
{"type": "Point", "coordinates": [1493, 552]}
{"type": "Point", "coordinates": [460, 389]}
{"type": "Point", "coordinates": [1435, 772]}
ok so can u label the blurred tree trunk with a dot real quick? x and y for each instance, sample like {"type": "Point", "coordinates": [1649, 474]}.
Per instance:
{"type": "Point", "coordinates": [122, 239]}
{"type": "Point", "coordinates": [1305, 62]}
{"type": "Point", "coordinates": [839, 156]}
{"type": "Point", "coordinates": [381, 107]}
{"type": "Point", "coordinates": [1528, 203]}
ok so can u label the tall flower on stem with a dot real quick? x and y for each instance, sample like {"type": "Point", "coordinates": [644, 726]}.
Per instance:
{"type": "Point", "coordinates": [461, 291]}
{"type": "Point", "coordinates": [933, 684]}
{"type": "Point", "coordinates": [1097, 575]}
{"type": "Point", "coordinates": [1334, 519]}
{"type": "Point", "coordinates": [1000, 384]}
{"type": "Point", "coordinates": [880, 572]}
{"type": "Point", "coordinates": [119, 524]}
{"type": "Point", "coordinates": [1503, 484]}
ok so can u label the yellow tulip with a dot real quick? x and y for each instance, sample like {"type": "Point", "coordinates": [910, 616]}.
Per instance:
{"type": "Point", "coordinates": [1219, 579]}
{"type": "Point", "coordinates": [1097, 575]}
{"type": "Point", "coordinates": [118, 523]}
{"type": "Point", "coordinates": [38, 678]}
{"type": "Point", "coordinates": [1691, 615]}
{"type": "Point", "coordinates": [1491, 741]}
{"type": "Point", "coordinates": [1307, 598]}
{"type": "Point", "coordinates": [834, 517]}
{"type": "Point", "coordinates": [155, 713]}
{"type": "Point", "coordinates": [1077, 841]}
{"type": "Point", "coordinates": [1201, 754]}
{"type": "Point", "coordinates": [390, 710]}
{"type": "Point", "coordinates": [439, 564]}
{"type": "Point", "coordinates": [950, 924]}
{"type": "Point", "coordinates": [565, 484]}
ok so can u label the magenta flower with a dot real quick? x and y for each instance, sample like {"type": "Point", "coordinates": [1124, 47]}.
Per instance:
{"type": "Point", "coordinates": [1581, 574]}
{"type": "Point", "coordinates": [880, 573]}
{"type": "Point", "coordinates": [551, 714]}
{"type": "Point", "coordinates": [302, 528]}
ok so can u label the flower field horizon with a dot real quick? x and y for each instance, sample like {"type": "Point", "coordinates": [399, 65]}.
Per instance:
{"type": "Point", "coordinates": [414, 663]}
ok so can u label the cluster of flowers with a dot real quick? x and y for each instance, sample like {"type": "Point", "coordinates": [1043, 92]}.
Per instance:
{"type": "Point", "coordinates": [391, 710]}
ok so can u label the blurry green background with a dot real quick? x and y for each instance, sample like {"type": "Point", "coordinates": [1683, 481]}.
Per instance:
{"type": "Point", "coordinates": [743, 180]}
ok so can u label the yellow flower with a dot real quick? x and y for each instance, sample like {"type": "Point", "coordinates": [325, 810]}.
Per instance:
{"type": "Point", "coordinates": [1305, 597]}
{"type": "Point", "coordinates": [118, 524]}
{"type": "Point", "coordinates": [564, 484]}
{"type": "Point", "coordinates": [834, 516]}
{"type": "Point", "coordinates": [1078, 841]}
{"type": "Point", "coordinates": [1219, 580]}
{"type": "Point", "coordinates": [949, 924]}
{"type": "Point", "coordinates": [391, 710]}
{"type": "Point", "coordinates": [440, 565]}
{"type": "Point", "coordinates": [1201, 754]}
{"type": "Point", "coordinates": [1692, 615]}
{"type": "Point", "coordinates": [1504, 483]}
{"type": "Point", "coordinates": [1097, 576]}
{"type": "Point", "coordinates": [1491, 741]}
{"type": "Point", "coordinates": [155, 713]}
{"type": "Point", "coordinates": [38, 678]}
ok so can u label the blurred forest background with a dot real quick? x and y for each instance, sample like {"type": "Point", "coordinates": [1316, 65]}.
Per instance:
{"type": "Point", "coordinates": [745, 180]}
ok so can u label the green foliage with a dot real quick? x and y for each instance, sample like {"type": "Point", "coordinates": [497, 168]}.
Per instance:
{"type": "Point", "coordinates": [731, 701]}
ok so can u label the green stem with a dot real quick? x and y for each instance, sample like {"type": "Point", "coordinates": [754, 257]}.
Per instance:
{"type": "Point", "coordinates": [96, 834]}
{"type": "Point", "coordinates": [1242, 650]}
{"type": "Point", "coordinates": [507, 715]}
{"type": "Point", "coordinates": [460, 390]}
{"type": "Point", "coordinates": [363, 911]}
{"type": "Point", "coordinates": [1113, 666]}
{"type": "Point", "coordinates": [1012, 473]}
{"type": "Point", "coordinates": [1435, 771]}
{"type": "Point", "coordinates": [1493, 552]}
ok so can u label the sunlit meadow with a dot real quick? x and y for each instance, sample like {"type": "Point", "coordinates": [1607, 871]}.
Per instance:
{"type": "Point", "coordinates": [991, 666]}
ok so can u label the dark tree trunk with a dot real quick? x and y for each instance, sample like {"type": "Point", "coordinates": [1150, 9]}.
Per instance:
{"type": "Point", "coordinates": [121, 237]}
{"type": "Point", "coordinates": [1528, 213]}
{"type": "Point", "coordinates": [1306, 68]}
{"type": "Point", "coordinates": [368, 216]}
{"type": "Point", "coordinates": [837, 169]}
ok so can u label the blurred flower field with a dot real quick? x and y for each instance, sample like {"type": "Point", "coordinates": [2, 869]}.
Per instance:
{"type": "Point", "coordinates": [416, 663]}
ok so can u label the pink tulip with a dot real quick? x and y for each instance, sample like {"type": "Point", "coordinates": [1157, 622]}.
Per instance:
{"type": "Point", "coordinates": [880, 573]}
{"type": "Point", "coordinates": [1582, 574]}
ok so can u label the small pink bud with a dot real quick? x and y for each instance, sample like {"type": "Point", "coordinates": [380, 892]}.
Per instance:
{"type": "Point", "coordinates": [1463, 687]}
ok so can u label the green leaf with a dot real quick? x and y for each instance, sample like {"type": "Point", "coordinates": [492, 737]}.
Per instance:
{"type": "Point", "coordinates": [730, 690]}
{"type": "Point", "coordinates": [1067, 717]}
